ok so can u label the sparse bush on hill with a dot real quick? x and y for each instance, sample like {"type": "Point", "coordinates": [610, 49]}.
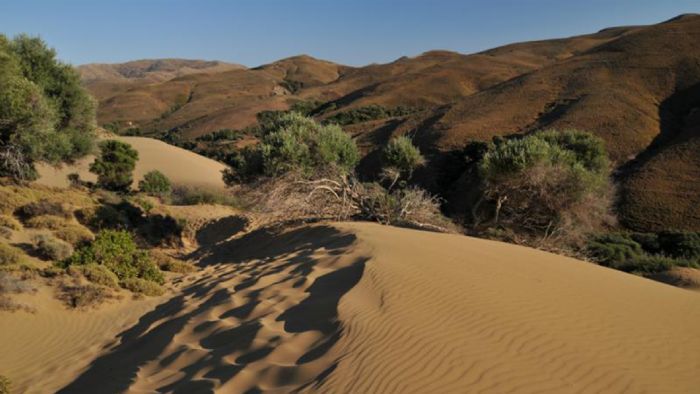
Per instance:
{"type": "Point", "coordinates": [142, 286]}
{"type": "Point", "coordinates": [117, 251]}
{"type": "Point", "coordinates": [46, 222]}
{"type": "Point", "coordinates": [551, 186]}
{"type": "Point", "coordinates": [400, 154]}
{"type": "Point", "coordinates": [115, 165]}
{"type": "Point", "coordinates": [367, 113]}
{"type": "Point", "coordinates": [45, 207]}
{"type": "Point", "coordinates": [188, 195]}
{"type": "Point", "coordinates": [9, 222]}
{"type": "Point", "coordinates": [154, 183]}
{"type": "Point", "coordinates": [82, 296]}
{"type": "Point", "coordinates": [45, 115]}
{"type": "Point", "coordinates": [9, 255]}
{"type": "Point", "coordinates": [98, 274]}
{"type": "Point", "coordinates": [51, 248]}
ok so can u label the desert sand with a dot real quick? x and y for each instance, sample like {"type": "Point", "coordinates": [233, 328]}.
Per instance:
{"type": "Point", "coordinates": [364, 308]}
{"type": "Point", "coordinates": [180, 165]}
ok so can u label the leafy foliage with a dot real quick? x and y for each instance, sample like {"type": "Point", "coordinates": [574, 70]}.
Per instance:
{"type": "Point", "coordinates": [116, 250]}
{"type": "Point", "coordinates": [115, 166]}
{"type": "Point", "coordinates": [401, 154]}
{"type": "Point", "coordinates": [154, 183]}
{"type": "Point", "coordinates": [45, 115]}
{"type": "Point", "coordinates": [367, 113]}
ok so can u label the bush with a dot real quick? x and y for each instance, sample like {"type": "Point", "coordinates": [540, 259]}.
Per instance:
{"type": "Point", "coordinates": [5, 385]}
{"type": "Point", "coordinates": [45, 207]}
{"type": "Point", "coordinates": [154, 183]}
{"type": "Point", "coordinates": [116, 250]}
{"type": "Point", "coordinates": [115, 166]}
{"type": "Point", "coordinates": [52, 248]}
{"type": "Point", "coordinates": [14, 285]}
{"type": "Point", "coordinates": [170, 264]}
{"type": "Point", "coordinates": [9, 255]}
{"type": "Point", "coordinates": [367, 113]}
{"type": "Point", "coordinates": [98, 274]}
{"type": "Point", "coordinates": [9, 222]}
{"type": "Point", "coordinates": [680, 244]}
{"type": "Point", "coordinates": [293, 142]}
{"type": "Point", "coordinates": [188, 195]}
{"type": "Point", "coordinates": [401, 154]}
{"type": "Point", "coordinates": [74, 234]}
{"type": "Point", "coordinates": [142, 286]}
{"type": "Point", "coordinates": [549, 185]}
{"type": "Point", "coordinates": [46, 222]}
{"type": "Point", "coordinates": [83, 296]}
{"type": "Point", "coordinates": [614, 250]}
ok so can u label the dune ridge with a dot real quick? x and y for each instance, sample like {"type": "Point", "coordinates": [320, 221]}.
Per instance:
{"type": "Point", "coordinates": [359, 307]}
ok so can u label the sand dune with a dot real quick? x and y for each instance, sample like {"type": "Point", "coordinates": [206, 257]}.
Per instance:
{"type": "Point", "coordinates": [363, 308]}
{"type": "Point", "coordinates": [180, 165]}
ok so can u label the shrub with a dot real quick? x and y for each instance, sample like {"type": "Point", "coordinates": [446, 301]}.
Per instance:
{"type": "Point", "coordinates": [52, 248]}
{"type": "Point", "coordinates": [83, 296]}
{"type": "Point", "coordinates": [9, 255]}
{"type": "Point", "coordinates": [142, 286]}
{"type": "Point", "coordinates": [367, 113]}
{"type": "Point", "coordinates": [98, 274]}
{"type": "Point", "coordinates": [170, 264]}
{"type": "Point", "coordinates": [188, 195]}
{"type": "Point", "coordinates": [45, 207]}
{"type": "Point", "coordinates": [401, 154]}
{"type": "Point", "coordinates": [46, 222]}
{"type": "Point", "coordinates": [295, 143]}
{"type": "Point", "coordinates": [115, 166]}
{"type": "Point", "coordinates": [549, 184]}
{"type": "Point", "coordinates": [154, 183]}
{"type": "Point", "coordinates": [14, 285]}
{"type": "Point", "coordinates": [9, 222]}
{"type": "Point", "coordinates": [680, 244]}
{"type": "Point", "coordinates": [5, 385]}
{"type": "Point", "coordinates": [116, 250]}
{"type": "Point", "coordinates": [614, 250]}
{"type": "Point", "coordinates": [5, 233]}
{"type": "Point", "coordinates": [74, 234]}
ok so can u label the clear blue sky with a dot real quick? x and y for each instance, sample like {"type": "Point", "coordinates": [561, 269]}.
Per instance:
{"type": "Point", "coordinates": [254, 32]}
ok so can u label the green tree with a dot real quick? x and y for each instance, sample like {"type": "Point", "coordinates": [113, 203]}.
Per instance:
{"type": "Point", "coordinates": [155, 183]}
{"type": "Point", "coordinates": [115, 165]}
{"type": "Point", "coordinates": [402, 155]}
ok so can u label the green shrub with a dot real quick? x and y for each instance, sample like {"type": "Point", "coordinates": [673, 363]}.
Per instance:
{"type": "Point", "coordinates": [401, 154]}
{"type": "Point", "coordinates": [52, 248]}
{"type": "Point", "coordinates": [614, 250]}
{"type": "Point", "coordinates": [116, 250]}
{"type": "Point", "coordinates": [680, 244]}
{"type": "Point", "coordinates": [142, 286]}
{"type": "Point", "coordinates": [154, 183]}
{"type": "Point", "coordinates": [548, 185]}
{"type": "Point", "coordinates": [115, 165]}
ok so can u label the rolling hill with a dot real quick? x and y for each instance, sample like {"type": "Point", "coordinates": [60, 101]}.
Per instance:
{"type": "Point", "coordinates": [636, 87]}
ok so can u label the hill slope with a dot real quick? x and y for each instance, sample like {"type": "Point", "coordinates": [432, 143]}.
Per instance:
{"type": "Point", "coordinates": [359, 307]}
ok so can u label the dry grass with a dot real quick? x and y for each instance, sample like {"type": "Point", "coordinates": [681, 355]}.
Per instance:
{"type": "Point", "coordinates": [142, 286]}
{"type": "Point", "coordinates": [170, 264]}
{"type": "Point", "coordinates": [74, 234]}
{"type": "Point", "coordinates": [48, 222]}
{"type": "Point", "coordinates": [9, 222]}
{"type": "Point", "coordinates": [52, 248]}
{"type": "Point", "coordinates": [79, 295]}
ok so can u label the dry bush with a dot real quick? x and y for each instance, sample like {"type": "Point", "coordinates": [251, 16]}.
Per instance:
{"type": "Point", "coordinates": [95, 273]}
{"type": "Point", "coordinates": [46, 207]}
{"type": "Point", "coordinates": [74, 234]}
{"type": "Point", "coordinates": [337, 196]}
{"type": "Point", "coordinates": [11, 284]}
{"type": "Point", "coordinates": [5, 385]}
{"type": "Point", "coordinates": [83, 296]}
{"type": "Point", "coordinates": [9, 222]}
{"type": "Point", "coordinates": [9, 255]}
{"type": "Point", "coordinates": [170, 264]}
{"type": "Point", "coordinates": [52, 248]}
{"type": "Point", "coordinates": [189, 195]}
{"type": "Point", "coordinates": [142, 286]}
{"type": "Point", "coordinates": [48, 222]}
{"type": "Point", "coordinates": [5, 233]}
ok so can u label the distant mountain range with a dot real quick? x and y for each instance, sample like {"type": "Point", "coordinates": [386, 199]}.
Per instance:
{"type": "Point", "coordinates": [637, 87]}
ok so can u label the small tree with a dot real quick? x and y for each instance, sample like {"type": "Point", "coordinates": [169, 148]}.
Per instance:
{"type": "Point", "coordinates": [115, 166]}
{"type": "Point", "coordinates": [155, 183]}
{"type": "Point", "coordinates": [549, 184]}
{"type": "Point", "coordinates": [401, 158]}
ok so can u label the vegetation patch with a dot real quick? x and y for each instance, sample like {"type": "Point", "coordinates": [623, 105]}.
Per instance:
{"type": "Point", "coordinates": [367, 113]}
{"type": "Point", "coordinates": [115, 165]}
{"type": "Point", "coordinates": [155, 183]}
{"type": "Point", "coordinates": [142, 286]}
{"type": "Point", "coordinates": [52, 248]}
{"type": "Point", "coordinates": [170, 264]}
{"type": "Point", "coordinates": [83, 296]}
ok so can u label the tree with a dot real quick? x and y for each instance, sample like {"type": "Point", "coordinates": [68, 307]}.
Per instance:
{"type": "Point", "coordinates": [115, 166]}
{"type": "Point", "coordinates": [154, 183]}
{"type": "Point", "coordinates": [401, 158]}
{"type": "Point", "coordinates": [45, 114]}
{"type": "Point", "coordinates": [549, 184]}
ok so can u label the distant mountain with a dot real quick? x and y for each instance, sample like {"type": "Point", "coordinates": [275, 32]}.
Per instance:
{"type": "Point", "coordinates": [637, 87]}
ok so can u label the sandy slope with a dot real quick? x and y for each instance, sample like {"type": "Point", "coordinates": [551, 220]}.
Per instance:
{"type": "Point", "coordinates": [362, 308]}
{"type": "Point", "coordinates": [180, 165]}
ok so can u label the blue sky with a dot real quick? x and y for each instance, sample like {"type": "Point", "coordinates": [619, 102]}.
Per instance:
{"type": "Point", "coordinates": [254, 32]}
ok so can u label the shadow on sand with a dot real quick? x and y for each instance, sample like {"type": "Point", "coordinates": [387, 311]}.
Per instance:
{"type": "Point", "coordinates": [245, 261]}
